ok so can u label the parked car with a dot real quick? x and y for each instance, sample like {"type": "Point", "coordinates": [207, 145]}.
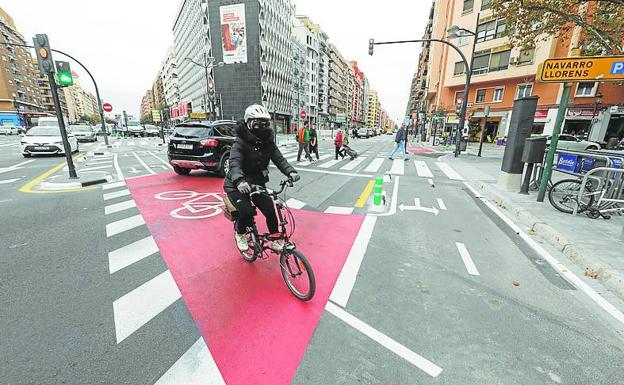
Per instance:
{"type": "Point", "coordinates": [136, 129]}
{"type": "Point", "coordinates": [569, 142]}
{"type": "Point", "coordinates": [51, 121]}
{"type": "Point", "coordinates": [9, 130]}
{"type": "Point", "coordinates": [363, 132]}
{"type": "Point", "coordinates": [84, 133]}
{"type": "Point", "coordinates": [46, 140]}
{"type": "Point", "coordinates": [151, 130]}
{"type": "Point", "coordinates": [202, 145]}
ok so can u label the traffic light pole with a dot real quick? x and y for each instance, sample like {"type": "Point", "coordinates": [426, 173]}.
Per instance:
{"type": "Point", "coordinates": [61, 121]}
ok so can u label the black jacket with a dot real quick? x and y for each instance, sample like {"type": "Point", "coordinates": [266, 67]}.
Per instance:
{"type": "Point", "coordinates": [400, 135]}
{"type": "Point", "coordinates": [250, 157]}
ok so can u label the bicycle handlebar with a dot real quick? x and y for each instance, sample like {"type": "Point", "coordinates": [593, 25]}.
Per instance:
{"type": "Point", "coordinates": [256, 189]}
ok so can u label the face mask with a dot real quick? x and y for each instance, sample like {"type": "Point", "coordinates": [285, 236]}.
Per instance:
{"type": "Point", "coordinates": [264, 135]}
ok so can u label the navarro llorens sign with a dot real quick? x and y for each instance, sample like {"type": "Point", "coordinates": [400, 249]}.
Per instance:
{"type": "Point", "coordinates": [580, 69]}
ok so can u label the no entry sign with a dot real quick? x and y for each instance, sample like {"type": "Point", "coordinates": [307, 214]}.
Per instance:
{"type": "Point", "coordinates": [303, 115]}
{"type": "Point", "coordinates": [107, 107]}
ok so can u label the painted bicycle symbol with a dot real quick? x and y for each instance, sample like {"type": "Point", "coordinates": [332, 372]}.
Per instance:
{"type": "Point", "coordinates": [196, 205]}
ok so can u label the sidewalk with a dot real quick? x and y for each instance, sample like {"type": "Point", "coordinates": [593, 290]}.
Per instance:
{"type": "Point", "coordinates": [595, 245]}
{"type": "Point", "coordinates": [490, 150]}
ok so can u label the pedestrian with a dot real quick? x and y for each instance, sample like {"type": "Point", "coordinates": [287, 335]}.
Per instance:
{"type": "Point", "coordinates": [399, 139]}
{"type": "Point", "coordinates": [314, 142]}
{"type": "Point", "coordinates": [338, 142]}
{"type": "Point", "coordinates": [303, 138]}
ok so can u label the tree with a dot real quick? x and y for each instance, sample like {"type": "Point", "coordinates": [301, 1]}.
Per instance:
{"type": "Point", "coordinates": [532, 21]}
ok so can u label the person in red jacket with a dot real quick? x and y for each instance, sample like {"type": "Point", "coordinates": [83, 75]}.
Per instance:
{"type": "Point", "coordinates": [338, 144]}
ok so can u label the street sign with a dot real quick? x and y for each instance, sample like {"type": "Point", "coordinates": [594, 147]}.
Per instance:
{"type": "Point", "coordinates": [579, 69]}
{"type": "Point", "coordinates": [156, 116]}
{"type": "Point", "coordinates": [303, 115]}
{"type": "Point", "coordinates": [107, 107]}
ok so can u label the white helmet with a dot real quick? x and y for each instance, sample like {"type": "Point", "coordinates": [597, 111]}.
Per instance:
{"type": "Point", "coordinates": [256, 111]}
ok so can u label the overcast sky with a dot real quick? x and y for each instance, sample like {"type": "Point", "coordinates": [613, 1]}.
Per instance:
{"type": "Point", "coordinates": [124, 42]}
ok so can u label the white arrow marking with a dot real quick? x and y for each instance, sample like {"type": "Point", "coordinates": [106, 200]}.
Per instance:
{"type": "Point", "coordinates": [14, 167]}
{"type": "Point", "coordinates": [441, 204]}
{"type": "Point", "coordinates": [417, 207]}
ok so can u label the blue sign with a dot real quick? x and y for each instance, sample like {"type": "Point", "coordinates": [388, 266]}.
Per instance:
{"type": "Point", "coordinates": [617, 162]}
{"type": "Point", "coordinates": [567, 162]}
{"type": "Point", "coordinates": [617, 68]}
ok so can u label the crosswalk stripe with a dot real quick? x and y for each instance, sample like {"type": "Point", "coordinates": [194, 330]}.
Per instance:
{"type": "Point", "coordinates": [353, 164]}
{"type": "Point", "coordinates": [132, 253]}
{"type": "Point", "coordinates": [339, 210]}
{"type": "Point", "coordinates": [422, 169]}
{"type": "Point", "coordinates": [331, 163]}
{"type": "Point", "coordinates": [374, 165]}
{"type": "Point", "coordinates": [117, 207]}
{"type": "Point", "coordinates": [295, 204]}
{"type": "Point", "coordinates": [139, 306]}
{"type": "Point", "coordinates": [195, 367]}
{"type": "Point", "coordinates": [125, 224]}
{"type": "Point", "coordinates": [116, 194]}
{"type": "Point", "coordinates": [398, 167]}
{"type": "Point", "coordinates": [448, 170]}
{"type": "Point", "coordinates": [109, 186]}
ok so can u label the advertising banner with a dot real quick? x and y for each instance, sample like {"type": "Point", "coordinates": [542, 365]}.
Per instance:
{"type": "Point", "coordinates": [567, 162]}
{"type": "Point", "coordinates": [233, 33]}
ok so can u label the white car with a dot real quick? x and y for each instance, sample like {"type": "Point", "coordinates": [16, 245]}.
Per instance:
{"type": "Point", "coordinates": [46, 141]}
{"type": "Point", "coordinates": [9, 130]}
{"type": "Point", "coordinates": [571, 143]}
{"type": "Point", "coordinates": [151, 130]}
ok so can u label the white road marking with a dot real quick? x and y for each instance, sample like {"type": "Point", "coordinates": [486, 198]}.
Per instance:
{"type": "Point", "coordinates": [353, 164]}
{"type": "Point", "coordinates": [431, 182]}
{"type": "Point", "coordinates": [132, 253]}
{"type": "Point", "coordinates": [7, 181]}
{"type": "Point", "coordinates": [448, 170]}
{"type": "Point", "coordinates": [374, 165]}
{"type": "Point", "coordinates": [161, 160]}
{"type": "Point", "coordinates": [331, 163]}
{"type": "Point", "coordinates": [295, 204]}
{"type": "Point", "coordinates": [138, 307]}
{"type": "Point", "coordinates": [441, 204]}
{"type": "Point", "coordinates": [15, 166]}
{"type": "Point", "coordinates": [109, 186]}
{"type": "Point", "coordinates": [117, 207]}
{"type": "Point", "coordinates": [465, 256]}
{"type": "Point", "coordinates": [348, 275]}
{"type": "Point", "coordinates": [339, 210]}
{"type": "Point", "coordinates": [116, 194]}
{"type": "Point", "coordinates": [395, 198]}
{"type": "Point", "coordinates": [569, 276]}
{"type": "Point", "coordinates": [422, 169]}
{"type": "Point", "coordinates": [95, 168]}
{"type": "Point", "coordinates": [398, 167]}
{"type": "Point", "coordinates": [400, 350]}
{"type": "Point", "coordinates": [144, 164]}
{"type": "Point", "coordinates": [120, 174]}
{"type": "Point", "coordinates": [143, 143]}
{"type": "Point", "coordinates": [195, 367]}
{"type": "Point", "coordinates": [332, 172]}
{"type": "Point", "coordinates": [125, 224]}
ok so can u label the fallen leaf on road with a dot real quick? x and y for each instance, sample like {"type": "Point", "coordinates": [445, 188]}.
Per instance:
{"type": "Point", "coordinates": [591, 274]}
{"type": "Point", "coordinates": [515, 283]}
{"type": "Point", "coordinates": [532, 232]}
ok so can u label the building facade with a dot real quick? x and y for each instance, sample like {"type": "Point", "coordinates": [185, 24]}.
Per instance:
{"type": "Point", "coordinates": [147, 105]}
{"type": "Point", "coordinates": [158, 92]}
{"type": "Point", "coordinates": [80, 103]}
{"type": "Point", "coordinates": [338, 87]}
{"type": "Point", "coordinates": [169, 78]}
{"type": "Point", "coordinates": [299, 82]}
{"type": "Point", "coordinates": [418, 90]}
{"type": "Point", "coordinates": [372, 114]}
{"type": "Point", "coordinates": [45, 97]}
{"type": "Point", "coordinates": [357, 94]}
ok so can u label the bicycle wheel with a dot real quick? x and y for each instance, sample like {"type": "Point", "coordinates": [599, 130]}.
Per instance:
{"type": "Point", "coordinates": [254, 248]}
{"type": "Point", "coordinates": [297, 274]}
{"type": "Point", "coordinates": [563, 195]}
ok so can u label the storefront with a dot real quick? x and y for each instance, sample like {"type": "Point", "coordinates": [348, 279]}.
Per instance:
{"type": "Point", "coordinates": [495, 125]}
{"type": "Point", "coordinates": [578, 122]}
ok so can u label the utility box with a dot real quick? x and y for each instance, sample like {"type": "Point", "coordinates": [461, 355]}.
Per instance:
{"type": "Point", "coordinates": [534, 149]}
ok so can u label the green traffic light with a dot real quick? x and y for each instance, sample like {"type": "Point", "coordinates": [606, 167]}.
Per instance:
{"type": "Point", "coordinates": [65, 79]}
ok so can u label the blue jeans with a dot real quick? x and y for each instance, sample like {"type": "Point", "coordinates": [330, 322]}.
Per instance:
{"type": "Point", "coordinates": [397, 147]}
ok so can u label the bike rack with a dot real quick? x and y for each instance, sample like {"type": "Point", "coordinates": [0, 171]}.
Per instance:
{"type": "Point", "coordinates": [612, 192]}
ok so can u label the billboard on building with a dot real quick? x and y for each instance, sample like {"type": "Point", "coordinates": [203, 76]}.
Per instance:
{"type": "Point", "coordinates": [233, 33]}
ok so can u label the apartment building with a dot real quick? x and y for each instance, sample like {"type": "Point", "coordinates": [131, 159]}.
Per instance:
{"type": "Point", "coordinates": [372, 115]}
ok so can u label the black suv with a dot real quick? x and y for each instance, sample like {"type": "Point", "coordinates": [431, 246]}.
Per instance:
{"type": "Point", "coordinates": [202, 145]}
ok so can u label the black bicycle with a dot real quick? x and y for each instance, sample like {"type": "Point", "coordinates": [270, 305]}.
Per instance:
{"type": "Point", "coordinates": [296, 270]}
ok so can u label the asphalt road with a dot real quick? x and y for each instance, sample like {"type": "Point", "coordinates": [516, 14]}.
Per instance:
{"type": "Point", "coordinates": [459, 290]}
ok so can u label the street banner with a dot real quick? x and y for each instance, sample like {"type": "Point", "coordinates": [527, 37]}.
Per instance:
{"type": "Point", "coordinates": [233, 33]}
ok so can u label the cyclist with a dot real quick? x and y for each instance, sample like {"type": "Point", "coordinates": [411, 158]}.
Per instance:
{"type": "Point", "coordinates": [249, 165]}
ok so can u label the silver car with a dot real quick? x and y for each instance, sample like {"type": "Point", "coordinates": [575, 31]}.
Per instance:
{"type": "Point", "coordinates": [84, 133]}
{"type": "Point", "coordinates": [571, 143]}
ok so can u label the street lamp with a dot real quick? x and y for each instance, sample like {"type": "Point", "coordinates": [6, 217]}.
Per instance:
{"type": "Point", "coordinates": [209, 63]}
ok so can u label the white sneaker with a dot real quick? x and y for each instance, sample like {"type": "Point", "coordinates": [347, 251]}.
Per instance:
{"type": "Point", "coordinates": [277, 245]}
{"type": "Point", "coordinates": [241, 242]}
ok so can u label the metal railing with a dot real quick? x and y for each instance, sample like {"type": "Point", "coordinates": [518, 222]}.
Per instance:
{"type": "Point", "coordinates": [610, 190]}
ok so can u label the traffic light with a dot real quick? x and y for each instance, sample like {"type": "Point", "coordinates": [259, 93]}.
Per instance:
{"type": "Point", "coordinates": [371, 46]}
{"type": "Point", "coordinates": [44, 54]}
{"type": "Point", "coordinates": [211, 90]}
{"type": "Point", "coordinates": [63, 74]}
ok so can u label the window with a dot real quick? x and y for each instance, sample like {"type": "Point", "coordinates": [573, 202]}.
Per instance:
{"type": "Point", "coordinates": [498, 94]}
{"type": "Point", "coordinates": [585, 89]}
{"type": "Point", "coordinates": [485, 4]}
{"type": "Point", "coordinates": [480, 98]}
{"type": "Point", "coordinates": [526, 56]}
{"type": "Point", "coordinates": [524, 90]}
{"type": "Point", "coordinates": [480, 62]}
{"type": "Point", "coordinates": [460, 68]}
{"type": "Point", "coordinates": [468, 4]}
{"type": "Point", "coordinates": [491, 30]}
{"type": "Point", "coordinates": [500, 61]}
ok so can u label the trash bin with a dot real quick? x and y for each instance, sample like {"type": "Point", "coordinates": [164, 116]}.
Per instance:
{"type": "Point", "coordinates": [534, 149]}
{"type": "Point", "coordinates": [463, 144]}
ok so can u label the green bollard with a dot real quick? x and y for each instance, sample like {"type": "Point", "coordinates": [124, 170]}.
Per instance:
{"type": "Point", "coordinates": [378, 191]}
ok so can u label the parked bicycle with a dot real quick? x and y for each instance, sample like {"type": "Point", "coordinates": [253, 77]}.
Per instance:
{"type": "Point", "coordinates": [295, 268]}
{"type": "Point", "coordinates": [563, 195]}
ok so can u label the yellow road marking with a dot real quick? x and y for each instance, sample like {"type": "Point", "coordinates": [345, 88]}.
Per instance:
{"type": "Point", "coordinates": [27, 188]}
{"type": "Point", "coordinates": [365, 194]}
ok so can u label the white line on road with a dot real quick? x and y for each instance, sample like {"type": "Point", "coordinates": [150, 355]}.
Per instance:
{"type": "Point", "coordinates": [117, 207]}
{"type": "Point", "coordinates": [331, 163]}
{"type": "Point", "coordinates": [569, 276]}
{"type": "Point", "coordinates": [7, 181]}
{"type": "Point", "coordinates": [353, 164]}
{"type": "Point", "coordinates": [132, 253]}
{"type": "Point", "coordinates": [441, 204]}
{"type": "Point", "coordinates": [116, 194]}
{"type": "Point", "coordinates": [465, 256]}
{"type": "Point", "coordinates": [120, 175]}
{"type": "Point", "coordinates": [395, 198]}
{"type": "Point", "coordinates": [374, 165]}
{"type": "Point", "coordinates": [295, 204]}
{"type": "Point", "coordinates": [161, 160]}
{"type": "Point", "coordinates": [109, 186]}
{"type": "Point", "coordinates": [339, 210]}
{"type": "Point", "coordinates": [448, 170]}
{"type": "Point", "coordinates": [422, 169]}
{"type": "Point", "coordinates": [400, 350]}
{"type": "Point", "coordinates": [398, 167]}
{"type": "Point", "coordinates": [144, 164]}
{"type": "Point", "coordinates": [431, 182]}
{"type": "Point", "coordinates": [95, 168]}
{"type": "Point", "coordinates": [15, 167]}
{"type": "Point", "coordinates": [348, 275]}
{"type": "Point", "coordinates": [195, 367]}
{"type": "Point", "coordinates": [138, 307]}
{"type": "Point", "coordinates": [125, 224]}
{"type": "Point", "coordinates": [332, 172]}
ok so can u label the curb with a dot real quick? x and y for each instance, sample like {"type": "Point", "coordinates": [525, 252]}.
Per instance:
{"type": "Point", "coordinates": [52, 186]}
{"type": "Point", "coordinates": [613, 280]}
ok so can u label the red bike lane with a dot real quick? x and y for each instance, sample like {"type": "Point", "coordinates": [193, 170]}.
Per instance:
{"type": "Point", "coordinates": [256, 330]}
